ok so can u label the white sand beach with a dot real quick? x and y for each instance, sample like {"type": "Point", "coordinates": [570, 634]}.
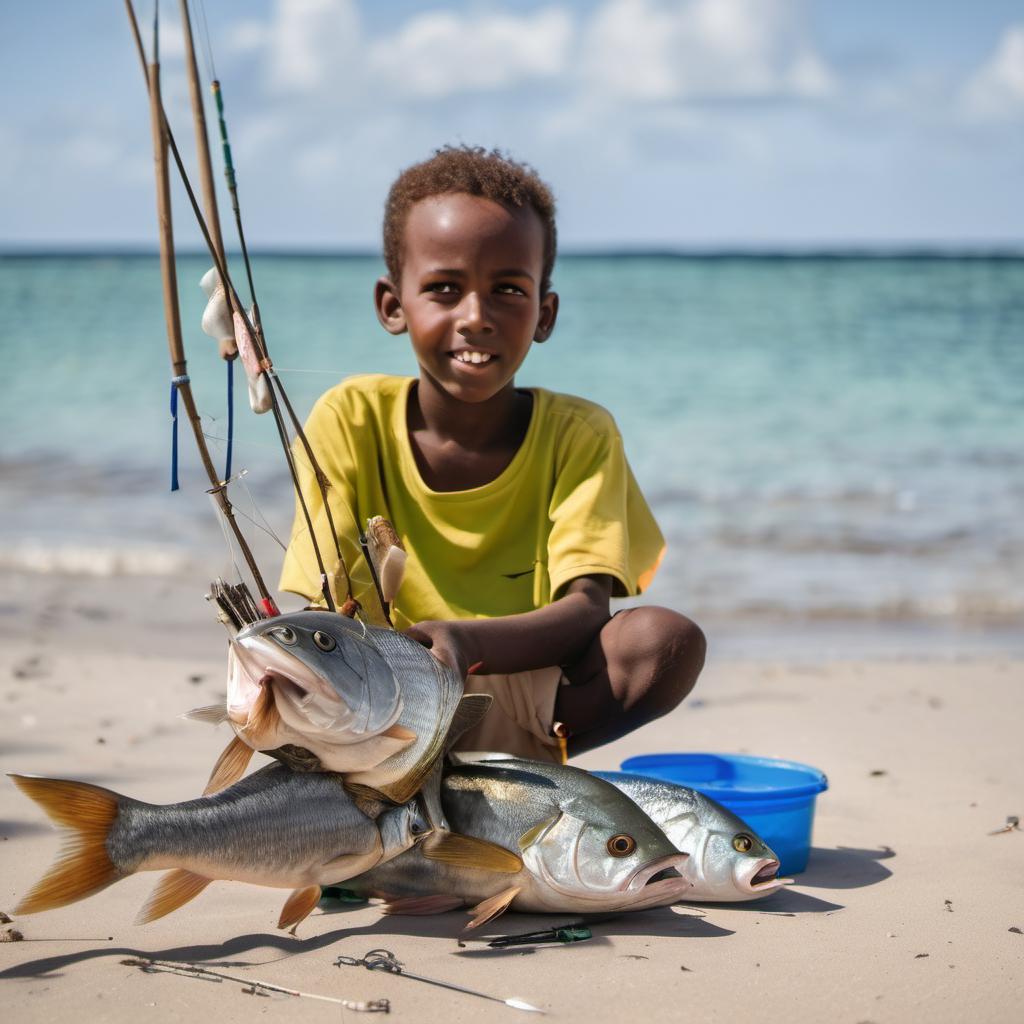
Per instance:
{"type": "Point", "coordinates": [910, 910]}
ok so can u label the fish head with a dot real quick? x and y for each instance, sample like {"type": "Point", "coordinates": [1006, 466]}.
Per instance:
{"type": "Point", "coordinates": [625, 864]}
{"type": "Point", "coordinates": [728, 860]}
{"type": "Point", "coordinates": [402, 827]}
{"type": "Point", "coordinates": [321, 672]}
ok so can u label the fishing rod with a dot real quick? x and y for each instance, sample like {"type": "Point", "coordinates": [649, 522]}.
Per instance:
{"type": "Point", "coordinates": [180, 382]}
{"type": "Point", "coordinates": [246, 330]}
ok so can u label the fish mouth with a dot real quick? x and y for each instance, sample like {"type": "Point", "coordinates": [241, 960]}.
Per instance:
{"type": "Point", "coordinates": [660, 881]}
{"type": "Point", "coordinates": [761, 877]}
{"type": "Point", "coordinates": [304, 700]}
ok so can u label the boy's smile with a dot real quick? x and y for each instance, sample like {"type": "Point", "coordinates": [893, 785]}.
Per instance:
{"type": "Point", "coordinates": [469, 295]}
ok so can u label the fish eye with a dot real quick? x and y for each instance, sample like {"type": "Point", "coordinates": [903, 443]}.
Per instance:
{"type": "Point", "coordinates": [284, 634]}
{"type": "Point", "coordinates": [323, 641]}
{"type": "Point", "coordinates": [417, 827]}
{"type": "Point", "coordinates": [743, 843]}
{"type": "Point", "coordinates": [621, 845]}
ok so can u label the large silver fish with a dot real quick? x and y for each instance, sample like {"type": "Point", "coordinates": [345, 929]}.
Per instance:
{"type": "Point", "coordinates": [728, 860]}
{"type": "Point", "coordinates": [362, 700]}
{"type": "Point", "coordinates": [585, 847]}
{"type": "Point", "coordinates": [277, 827]}
{"type": "Point", "coordinates": [318, 681]}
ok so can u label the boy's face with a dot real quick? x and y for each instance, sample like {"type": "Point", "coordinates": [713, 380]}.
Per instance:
{"type": "Point", "coordinates": [470, 293]}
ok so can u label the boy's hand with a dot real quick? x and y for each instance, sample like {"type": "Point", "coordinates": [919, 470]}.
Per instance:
{"type": "Point", "coordinates": [444, 641]}
{"type": "Point", "coordinates": [558, 634]}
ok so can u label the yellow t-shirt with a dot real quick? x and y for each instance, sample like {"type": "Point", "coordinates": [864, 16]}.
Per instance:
{"type": "Point", "coordinates": [567, 506]}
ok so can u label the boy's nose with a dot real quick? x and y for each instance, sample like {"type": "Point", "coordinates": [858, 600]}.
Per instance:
{"type": "Point", "coordinates": [473, 317]}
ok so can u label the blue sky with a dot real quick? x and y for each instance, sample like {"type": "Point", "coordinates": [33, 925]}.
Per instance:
{"type": "Point", "coordinates": [659, 123]}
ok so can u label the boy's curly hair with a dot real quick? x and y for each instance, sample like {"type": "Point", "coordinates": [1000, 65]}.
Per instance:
{"type": "Point", "coordinates": [475, 171]}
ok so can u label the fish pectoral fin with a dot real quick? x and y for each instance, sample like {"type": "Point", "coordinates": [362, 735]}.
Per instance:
{"type": "Point", "coordinates": [530, 836]}
{"type": "Point", "coordinates": [230, 766]}
{"type": "Point", "coordinates": [212, 714]}
{"type": "Point", "coordinates": [174, 890]}
{"type": "Point", "coordinates": [399, 732]}
{"type": "Point", "coordinates": [83, 866]}
{"type": "Point", "coordinates": [263, 720]}
{"type": "Point", "coordinates": [469, 712]}
{"type": "Point", "coordinates": [470, 852]}
{"type": "Point", "coordinates": [423, 905]}
{"type": "Point", "coordinates": [492, 907]}
{"type": "Point", "coordinates": [298, 907]}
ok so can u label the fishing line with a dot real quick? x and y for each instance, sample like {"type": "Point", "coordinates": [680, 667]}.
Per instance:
{"type": "Point", "coordinates": [228, 543]}
{"type": "Point", "coordinates": [266, 527]}
{"type": "Point", "coordinates": [340, 374]}
{"type": "Point", "coordinates": [231, 417]}
{"type": "Point", "coordinates": [204, 40]}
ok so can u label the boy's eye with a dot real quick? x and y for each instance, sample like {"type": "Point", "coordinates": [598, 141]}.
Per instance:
{"type": "Point", "coordinates": [509, 289]}
{"type": "Point", "coordinates": [442, 288]}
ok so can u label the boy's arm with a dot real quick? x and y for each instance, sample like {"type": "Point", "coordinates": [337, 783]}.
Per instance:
{"type": "Point", "coordinates": [558, 634]}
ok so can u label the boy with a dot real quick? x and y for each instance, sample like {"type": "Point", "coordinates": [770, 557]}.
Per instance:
{"type": "Point", "coordinates": [518, 509]}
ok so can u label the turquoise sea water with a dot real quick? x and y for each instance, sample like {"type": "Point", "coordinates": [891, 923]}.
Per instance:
{"type": "Point", "coordinates": [820, 437]}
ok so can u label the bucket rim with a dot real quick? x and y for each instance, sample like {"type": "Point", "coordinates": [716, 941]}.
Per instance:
{"type": "Point", "coordinates": [815, 780]}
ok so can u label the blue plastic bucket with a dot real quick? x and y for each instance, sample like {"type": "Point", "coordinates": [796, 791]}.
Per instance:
{"type": "Point", "coordinates": [775, 798]}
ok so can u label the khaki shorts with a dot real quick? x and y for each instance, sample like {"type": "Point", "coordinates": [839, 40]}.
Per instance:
{"type": "Point", "coordinates": [520, 717]}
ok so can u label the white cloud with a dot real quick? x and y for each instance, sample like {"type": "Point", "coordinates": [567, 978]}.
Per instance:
{"type": "Point", "coordinates": [660, 50]}
{"type": "Point", "coordinates": [996, 90]}
{"type": "Point", "coordinates": [443, 53]}
{"type": "Point", "coordinates": [312, 44]}
{"type": "Point", "coordinates": [639, 50]}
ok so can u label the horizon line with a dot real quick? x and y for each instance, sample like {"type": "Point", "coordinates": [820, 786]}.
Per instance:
{"type": "Point", "coordinates": [874, 250]}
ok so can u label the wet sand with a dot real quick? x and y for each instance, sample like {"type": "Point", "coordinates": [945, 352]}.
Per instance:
{"type": "Point", "coordinates": [909, 909]}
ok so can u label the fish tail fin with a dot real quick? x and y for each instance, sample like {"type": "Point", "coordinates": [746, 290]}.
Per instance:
{"type": "Point", "coordinates": [174, 890]}
{"type": "Point", "coordinates": [470, 852]}
{"type": "Point", "coordinates": [491, 908]}
{"type": "Point", "coordinates": [230, 766]}
{"type": "Point", "coordinates": [83, 867]}
{"type": "Point", "coordinates": [298, 907]}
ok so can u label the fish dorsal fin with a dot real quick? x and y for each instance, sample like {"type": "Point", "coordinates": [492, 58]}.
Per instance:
{"type": "Point", "coordinates": [212, 714]}
{"type": "Point", "coordinates": [470, 852]}
{"type": "Point", "coordinates": [423, 905]}
{"type": "Point", "coordinates": [174, 890]}
{"type": "Point", "coordinates": [469, 713]}
{"type": "Point", "coordinates": [298, 907]}
{"type": "Point", "coordinates": [492, 907]}
{"type": "Point", "coordinates": [530, 836]}
{"type": "Point", "coordinates": [83, 866]}
{"type": "Point", "coordinates": [230, 766]}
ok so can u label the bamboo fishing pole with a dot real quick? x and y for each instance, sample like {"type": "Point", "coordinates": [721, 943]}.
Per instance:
{"type": "Point", "coordinates": [173, 317]}
{"type": "Point", "coordinates": [228, 349]}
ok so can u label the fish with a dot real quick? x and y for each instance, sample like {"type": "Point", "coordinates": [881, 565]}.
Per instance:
{"type": "Point", "coordinates": [276, 827]}
{"type": "Point", "coordinates": [327, 693]}
{"type": "Point", "coordinates": [728, 860]}
{"type": "Point", "coordinates": [585, 848]}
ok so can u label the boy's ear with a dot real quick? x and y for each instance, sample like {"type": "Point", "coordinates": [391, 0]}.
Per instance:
{"type": "Point", "coordinates": [389, 307]}
{"type": "Point", "coordinates": [548, 315]}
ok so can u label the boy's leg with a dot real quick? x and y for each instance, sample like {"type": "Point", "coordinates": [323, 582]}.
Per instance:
{"type": "Point", "coordinates": [638, 668]}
